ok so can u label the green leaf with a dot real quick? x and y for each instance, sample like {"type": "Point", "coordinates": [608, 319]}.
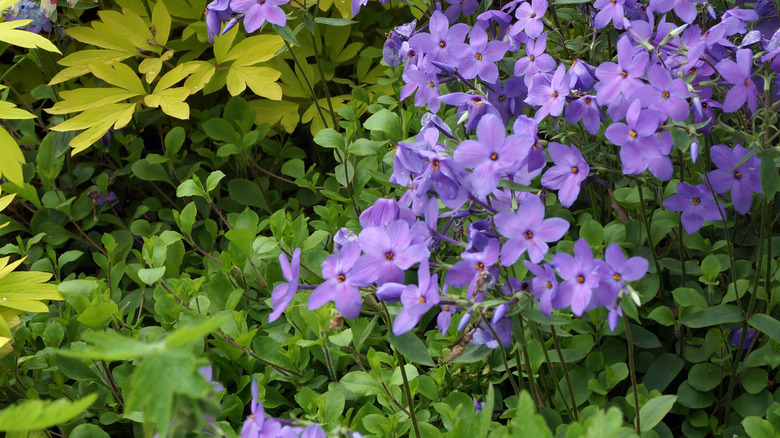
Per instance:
{"type": "Point", "coordinates": [593, 232]}
{"type": "Point", "coordinates": [757, 427]}
{"type": "Point", "coordinates": [712, 316]}
{"type": "Point", "coordinates": [329, 138]}
{"type": "Point", "coordinates": [686, 296]}
{"type": "Point", "coordinates": [361, 384]}
{"type": "Point", "coordinates": [112, 346]}
{"type": "Point", "coordinates": [40, 414]}
{"type": "Point", "coordinates": [294, 168]}
{"type": "Point", "coordinates": [705, 376]}
{"type": "Point", "coordinates": [652, 412]}
{"type": "Point", "coordinates": [770, 180]}
{"type": "Point", "coordinates": [710, 267]}
{"type": "Point", "coordinates": [174, 140]}
{"type": "Point", "coordinates": [246, 192]}
{"type": "Point", "coordinates": [334, 21]}
{"type": "Point", "coordinates": [190, 188]}
{"type": "Point", "coordinates": [151, 275]}
{"type": "Point", "coordinates": [411, 347]}
{"type": "Point", "coordinates": [97, 315]}
{"type": "Point", "coordinates": [187, 334]}
{"type": "Point", "coordinates": [662, 372]}
{"type": "Point", "coordinates": [766, 325]}
{"type": "Point", "coordinates": [88, 430]}
{"type": "Point", "coordinates": [386, 121]}
{"type": "Point", "coordinates": [213, 180]}
{"type": "Point", "coordinates": [526, 422]}
{"type": "Point", "coordinates": [147, 171]}
{"type": "Point", "coordinates": [220, 130]}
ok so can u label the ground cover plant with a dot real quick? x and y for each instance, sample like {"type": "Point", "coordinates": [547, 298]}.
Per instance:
{"type": "Point", "coordinates": [418, 218]}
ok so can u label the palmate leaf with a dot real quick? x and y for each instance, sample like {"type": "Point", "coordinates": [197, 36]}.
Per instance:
{"type": "Point", "coordinates": [82, 99]}
{"type": "Point", "coordinates": [40, 414]}
{"type": "Point", "coordinates": [254, 50]}
{"type": "Point", "coordinates": [261, 80]}
{"type": "Point", "coordinates": [9, 111]}
{"type": "Point", "coordinates": [96, 121]}
{"type": "Point", "coordinates": [171, 101]}
{"type": "Point", "coordinates": [11, 34]}
{"type": "Point", "coordinates": [77, 64]}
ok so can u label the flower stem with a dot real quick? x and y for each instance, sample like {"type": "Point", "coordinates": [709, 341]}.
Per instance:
{"type": "Point", "coordinates": [408, 394]}
{"type": "Point", "coordinates": [565, 373]}
{"type": "Point", "coordinates": [632, 369]}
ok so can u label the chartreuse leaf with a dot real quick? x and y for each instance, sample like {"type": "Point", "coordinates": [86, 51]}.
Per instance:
{"type": "Point", "coordinates": [652, 412]}
{"type": "Point", "coordinates": [11, 159]}
{"type": "Point", "coordinates": [41, 414]}
{"type": "Point", "coordinates": [254, 50]}
{"type": "Point", "coordinates": [10, 111]}
{"type": "Point", "coordinates": [11, 34]}
{"type": "Point", "coordinates": [77, 64]}
{"type": "Point", "coordinates": [757, 427]}
{"type": "Point", "coordinates": [96, 121]}
{"type": "Point", "coordinates": [129, 25]}
{"type": "Point", "coordinates": [119, 75]}
{"type": "Point", "coordinates": [83, 99]}
{"type": "Point", "coordinates": [171, 101]}
{"type": "Point", "coordinates": [161, 23]}
{"type": "Point", "coordinates": [261, 80]}
{"type": "Point", "coordinates": [151, 67]}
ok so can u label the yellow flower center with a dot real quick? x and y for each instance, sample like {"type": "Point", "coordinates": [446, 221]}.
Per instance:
{"type": "Point", "coordinates": [480, 266]}
{"type": "Point", "coordinates": [580, 279]}
{"type": "Point", "coordinates": [494, 156]}
{"type": "Point", "coordinates": [341, 278]}
{"type": "Point", "coordinates": [554, 94]}
{"type": "Point", "coordinates": [696, 201]}
{"type": "Point", "coordinates": [548, 285]}
{"type": "Point", "coordinates": [478, 56]}
{"type": "Point", "coordinates": [422, 299]}
{"type": "Point", "coordinates": [624, 74]}
{"type": "Point", "coordinates": [529, 235]}
{"type": "Point", "coordinates": [616, 277]}
{"type": "Point", "coordinates": [632, 134]}
{"type": "Point", "coordinates": [442, 44]}
{"type": "Point", "coordinates": [665, 95]}
{"type": "Point", "coordinates": [574, 170]}
{"type": "Point", "coordinates": [737, 174]}
{"type": "Point", "coordinates": [389, 255]}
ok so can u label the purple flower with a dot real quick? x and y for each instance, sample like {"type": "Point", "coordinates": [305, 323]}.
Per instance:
{"type": "Point", "coordinates": [217, 12]}
{"type": "Point", "coordinates": [480, 57]}
{"type": "Point", "coordinates": [284, 293]}
{"type": "Point", "coordinates": [738, 74]}
{"type": "Point", "coordinates": [388, 253]}
{"type": "Point", "coordinates": [609, 10]}
{"type": "Point", "coordinates": [580, 274]}
{"type": "Point", "coordinates": [621, 77]}
{"type": "Point", "coordinates": [465, 7]}
{"type": "Point", "coordinates": [550, 95]}
{"type": "Point", "coordinates": [443, 41]}
{"type": "Point", "coordinates": [503, 329]}
{"type": "Point", "coordinates": [641, 148]}
{"type": "Point", "coordinates": [742, 181]}
{"type": "Point", "coordinates": [259, 11]}
{"type": "Point", "coordinates": [615, 272]}
{"type": "Point", "coordinates": [696, 204]}
{"type": "Point", "coordinates": [567, 175]}
{"type": "Point", "coordinates": [417, 299]}
{"type": "Point", "coordinates": [529, 18]}
{"type": "Point", "coordinates": [535, 60]}
{"type": "Point", "coordinates": [313, 431]}
{"type": "Point", "coordinates": [444, 318]}
{"type": "Point", "coordinates": [492, 155]}
{"type": "Point", "coordinates": [586, 109]}
{"type": "Point", "coordinates": [257, 425]}
{"type": "Point", "coordinates": [391, 51]}
{"type": "Point", "coordinates": [528, 230]}
{"type": "Point", "coordinates": [427, 85]}
{"type": "Point", "coordinates": [474, 264]}
{"type": "Point", "coordinates": [341, 286]}
{"type": "Point", "coordinates": [682, 8]}
{"type": "Point", "coordinates": [736, 337]}
{"type": "Point", "coordinates": [664, 94]}
{"type": "Point", "coordinates": [544, 285]}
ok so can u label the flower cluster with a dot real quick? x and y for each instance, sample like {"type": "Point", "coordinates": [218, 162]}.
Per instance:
{"type": "Point", "coordinates": [223, 15]}
{"type": "Point", "coordinates": [38, 13]}
{"type": "Point", "coordinates": [257, 425]}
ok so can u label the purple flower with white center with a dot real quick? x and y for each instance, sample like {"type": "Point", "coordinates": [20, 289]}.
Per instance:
{"type": "Point", "coordinates": [567, 175]}
{"type": "Point", "coordinates": [665, 94]}
{"type": "Point", "coordinates": [684, 9]}
{"type": "Point", "coordinates": [738, 74]}
{"type": "Point", "coordinates": [480, 56]}
{"type": "Point", "coordinates": [696, 204]}
{"type": "Point", "coordinates": [586, 109]}
{"type": "Point", "coordinates": [492, 155]}
{"type": "Point", "coordinates": [340, 286]}
{"type": "Point", "coordinates": [259, 11]}
{"type": "Point", "coordinates": [474, 264]}
{"type": "Point", "coordinates": [283, 293]}
{"type": "Point", "coordinates": [621, 77]}
{"type": "Point", "coordinates": [580, 274]}
{"type": "Point", "coordinates": [544, 285]}
{"type": "Point", "coordinates": [458, 7]}
{"type": "Point", "coordinates": [417, 299]}
{"type": "Point", "coordinates": [484, 336]}
{"type": "Point", "coordinates": [529, 18]}
{"type": "Point", "coordinates": [550, 96]}
{"type": "Point", "coordinates": [388, 253]}
{"type": "Point", "coordinates": [443, 41]}
{"type": "Point", "coordinates": [257, 424]}
{"type": "Point", "coordinates": [609, 10]}
{"type": "Point", "coordinates": [528, 230]}
{"type": "Point", "coordinates": [535, 60]}
{"type": "Point", "coordinates": [616, 271]}
{"type": "Point", "coordinates": [742, 181]}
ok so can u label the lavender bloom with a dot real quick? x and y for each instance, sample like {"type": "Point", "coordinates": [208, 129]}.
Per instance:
{"type": "Point", "coordinates": [341, 238]}
{"type": "Point", "coordinates": [527, 126]}
{"type": "Point", "coordinates": [528, 230]}
{"type": "Point", "coordinates": [586, 109]}
{"type": "Point", "coordinates": [426, 83]}
{"type": "Point", "coordinates": [696, 204]}
{"type": "Point", "coordinates": [544, 285]}
{"type": "Point", "coordinates": [535, 60]}
{"type": "Point", "coordinates": [738, 73]}
{"type": "Point", "coordinates": [469, 270]}
{"type": "Point", "coordinates": [444, 319]}
{"type": "Point", "coordinates": [615, 272]}
{"type": "Point", "coordinates": [388, 253]}
{"type": "Point", "coordinates": [609, 10]}
{"type": "Point", "coordinates": [621, 77]}
{"type": "Point", "coordinates": [208, 373]}
{"type": "Point", "coordinates": [476, 106]}
{"type": "Point", "coordinates": [407, 161]}
{"type": "Point", "coordinates": [341, 286]}
{"type": "Point", "coordinates": [549, 95]}
{"type": "Point", "coordinates": [465, 7]}
{"type": "Point", "coordinates": [257, 425]}
{"type": "Point", "coordinates": [503, 329]}
{"type": "Point", "coordinates": [567, 175]}
{"type": "Point", "coordinates": [391, 51]}
{"type": "Point", "coordinates": [508, 99]}
{"type": "Point", "coordinates": [283, 293]}
{"type": "Point", "coordinates": [443, 42]}
{"type": "Point", "coordinates": [492, 155]}
{"type": "Point", "coordinates": [529, 18]}
{"type": "Point", "coordinates": [480, 57]}
{"type": "Point", "coordinates": [217, 12]}
{"type": "Point", "coordinates": [736, 337]}
{"type": "Point", "coordinates": [258, 12]}
{"type": "Point", "coordinates": [479, 235]}
{"type": "Point", "coordinates": [417, 300]}
{"type": "Point", "coordinates": [682, 8]}
{"type": "Point", "coordinates": [580, 274]}
{"type": "Point", "coordinates": [664, 94]}
{"type": "Point", "coordinates": [640, 147]}
{"type": "Point", "coordinates": [742, 181]}
{"type": "Point", "coordinates": [583, 76]}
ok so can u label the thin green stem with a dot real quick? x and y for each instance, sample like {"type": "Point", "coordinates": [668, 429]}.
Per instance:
{"type": "Point", "coordinates": [649, 236]}
{"type": "Point", "coordinates": [565, 373]}
{"type": "Point", "coordinates": [528, 369]}
{"type": "Point", "coordinates": [632, 371]}
{"type": "Point", "coordinates": [503, 355]}
{"type": "Point", "coordinates": [308, 83]}
{"type": "Point", "coordinates": [555, 382]}
{"type": "Point", "coordinates": [408, 394]}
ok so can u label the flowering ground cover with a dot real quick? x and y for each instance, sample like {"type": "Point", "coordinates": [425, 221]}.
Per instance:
{"type": "Point", "coordinates": [280, 218]}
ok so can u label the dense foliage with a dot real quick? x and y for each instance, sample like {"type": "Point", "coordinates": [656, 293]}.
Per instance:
{"type": "Point", "coordinates": [418, 218]}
